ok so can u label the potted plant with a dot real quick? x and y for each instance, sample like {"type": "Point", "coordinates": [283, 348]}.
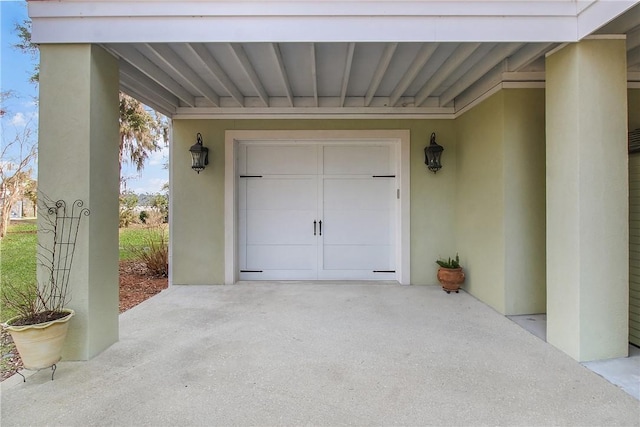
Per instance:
{"type": "Point", "coordinates": [450, 274]}
{"type": "Point", "coordinates": [40, 325]}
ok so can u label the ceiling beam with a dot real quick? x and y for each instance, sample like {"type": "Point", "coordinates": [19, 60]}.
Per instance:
{"type": "Point", "coordinates": [135, 58]}
{"type": "Point", "coordinates": [146, 84]}
{"type": "Point", "coordinates": [633, 39]}
{"type": "Point", "coordinates": [314, 71]}
{"type": "Point", "coordinates": [315, 113]}
{"type": "Point", "coordinates": [383, 64]}
{"type": "Point", "coordinates": [462, 52]}
{"type": "Point", "coordinates": [592, 18]}
{"type": "Point", "coordinates": [490, 60]}
{"type": "Point", "coordinates": [131, 88]}
{"type": "Point", "coordinates": [633, 57]}
{"type": "Point", "coordinates": [172, 60]}
{"type": "Point", "coordinates": [275, 51]}
{"type": "Point", "coordinates": [527, 54]}
{"type": "Point", "coordinates": [351, 47]}
{"type": "Point", "coordinates": [423, 55]}
{"type": "Point", "coordinates": [240, 54]}
{"type": "Point", "coordinates": [206, 58]}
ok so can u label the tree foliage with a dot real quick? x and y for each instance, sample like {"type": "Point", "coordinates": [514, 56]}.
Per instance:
{"type": "Point", "coordinates": [140, 132]}
{"type": "Point", "coordinates": [25, 44]}
{"type": "Point", "coordinates": [128, 203]}
{"type": "Point", "coordinates": [4, 95]}
{"type": "Point", "coordinates": [15, 172]}
{"type": "Point", "coordinates": [31, 192]}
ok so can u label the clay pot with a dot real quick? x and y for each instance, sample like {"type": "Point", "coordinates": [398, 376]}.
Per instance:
{"type": "Point", "coordinates": [450, 278]}
{"type": "Point", "coordinates": [40, 345]}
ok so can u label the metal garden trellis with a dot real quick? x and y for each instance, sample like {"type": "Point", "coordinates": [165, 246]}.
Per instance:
{"type": "Point", "coordinates": [63, 224]}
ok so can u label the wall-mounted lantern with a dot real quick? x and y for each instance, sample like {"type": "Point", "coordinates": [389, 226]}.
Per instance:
{"type": "Point", "coordinates": [199, 155]}
{"type": "Point", "coordinates": [432, 153]}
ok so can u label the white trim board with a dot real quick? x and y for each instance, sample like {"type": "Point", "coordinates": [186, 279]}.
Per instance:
{"type": "Point", "coordinates": [75, 21]}
{"type": "Point", "coordinates": [402, 140]}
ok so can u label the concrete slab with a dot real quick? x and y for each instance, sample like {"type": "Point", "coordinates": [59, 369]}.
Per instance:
{"type": "Point", "coordinates": [623, 372]}
{"type": "Point", "coordinates": [319, 354]}
{"type": "Point", "coordinates": [534, 323]}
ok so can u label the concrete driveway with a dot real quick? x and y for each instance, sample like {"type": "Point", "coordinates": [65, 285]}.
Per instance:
{"type": "Point", "coordinates": [319, 354]}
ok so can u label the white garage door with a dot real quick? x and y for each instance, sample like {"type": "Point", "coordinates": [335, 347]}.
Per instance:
{"type": "Point", "coordinates": [634, 248]}
{"type": "Point", "coordinates": [317, 210]}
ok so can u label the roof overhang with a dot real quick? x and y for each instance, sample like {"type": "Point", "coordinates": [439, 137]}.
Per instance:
{"type": "Point", "coordinates": [353, 58]}
{"type": "Point", "coordinates": [150, 21]}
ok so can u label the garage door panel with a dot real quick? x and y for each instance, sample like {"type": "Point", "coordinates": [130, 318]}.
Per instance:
{"type": "Point", "coordinates": [281, 159]}
{"type": "Point", "coordinates": [344, 194]}
{"type": "Point", "coordinates": [356, 160]}
{"type": "Point", "coordinates": [275, 227]}
{"type": "Point", "coordinates": [357, 257]}
{"type": "Point", "coordinates": [357, 227]}
{"type": "Point", "coordinates": [282, 194]}
{"type": "Point", "coordinates": [281, 257]}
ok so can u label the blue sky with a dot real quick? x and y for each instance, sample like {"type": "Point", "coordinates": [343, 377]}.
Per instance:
{"type": "Point", "coordinates": [15, 70]}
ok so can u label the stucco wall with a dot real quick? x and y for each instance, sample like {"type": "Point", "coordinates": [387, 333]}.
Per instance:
{"type": "Point", "coordinates": [633, 99]}
{"type": "Point", "coordinates": [487, 202]}
{"type": "Point", "coordinates": [480, 200]}
{"type": "Point", "coordinates": [587, 199]}
{"type": "Point", "coordinates": [500, 203]}
{"type": "Point", "coordinates": [525, 202]}
{"type": "Point", "coordinates": [78, 159]}
{"type": "Point", "coordinates": [197, 218]}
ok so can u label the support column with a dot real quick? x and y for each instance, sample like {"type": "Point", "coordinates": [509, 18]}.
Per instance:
{"type": "Point", "coordinates": [587, 199]}
{"type": "Point", "coordinates": [78, 159]}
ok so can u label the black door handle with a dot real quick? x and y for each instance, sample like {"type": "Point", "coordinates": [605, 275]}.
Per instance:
{"type": "Point", "coordinates": [321, 228]}
{"type": "Point", "coordinates": [314, 228]}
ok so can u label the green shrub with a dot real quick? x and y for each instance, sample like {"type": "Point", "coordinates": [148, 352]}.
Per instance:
{"type": "Point", "coordinates": [154, 250]}
{"type": "Point", "coordinates": [449, 263]}
{"type": "Point", "coordinates": [128, 202]}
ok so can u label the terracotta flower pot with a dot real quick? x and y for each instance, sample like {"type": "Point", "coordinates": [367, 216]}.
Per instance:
{"type": "Point", "coordinates": [40, 345]}
{"type": "Point", "coordinates": [450, 278]}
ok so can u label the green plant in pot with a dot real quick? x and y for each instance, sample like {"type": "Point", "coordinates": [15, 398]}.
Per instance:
{"type": "Point", "coordinates": [450, 274]}
{"type": "Point", "coordinates": [41, 320]}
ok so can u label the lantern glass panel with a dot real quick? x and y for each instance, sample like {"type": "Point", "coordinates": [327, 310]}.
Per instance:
{"type": "Point", "coordinates": [197, 159]}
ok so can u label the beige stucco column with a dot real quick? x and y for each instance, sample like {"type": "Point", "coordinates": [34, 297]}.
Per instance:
{"type": "Point", "coordinates": [587, 199]}
{"type": "Point", "coordinates": [78, 159]}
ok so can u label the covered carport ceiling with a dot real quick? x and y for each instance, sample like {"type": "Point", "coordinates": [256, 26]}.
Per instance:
{"type": "Point", "coordinates": [331, 59]}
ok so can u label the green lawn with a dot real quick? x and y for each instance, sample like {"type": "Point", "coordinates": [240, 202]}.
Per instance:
{"type": "Point", "coordinates": [130, 237]}
{"type": "Point", "coordinates": [18, 253]}
{"type": "Point", "coordinates": [18, 257]}
{"type": "Point", "coordinates": [135, 237]}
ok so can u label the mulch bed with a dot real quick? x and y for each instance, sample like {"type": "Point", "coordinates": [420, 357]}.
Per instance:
{"type": "Point", "coordinates": [136, 286]}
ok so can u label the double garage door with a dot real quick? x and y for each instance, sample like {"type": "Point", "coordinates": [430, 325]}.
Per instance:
{"type": "Point", "coordinates": [317, 211]}
{"type": "Point", "coordinates": [634, 248]}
